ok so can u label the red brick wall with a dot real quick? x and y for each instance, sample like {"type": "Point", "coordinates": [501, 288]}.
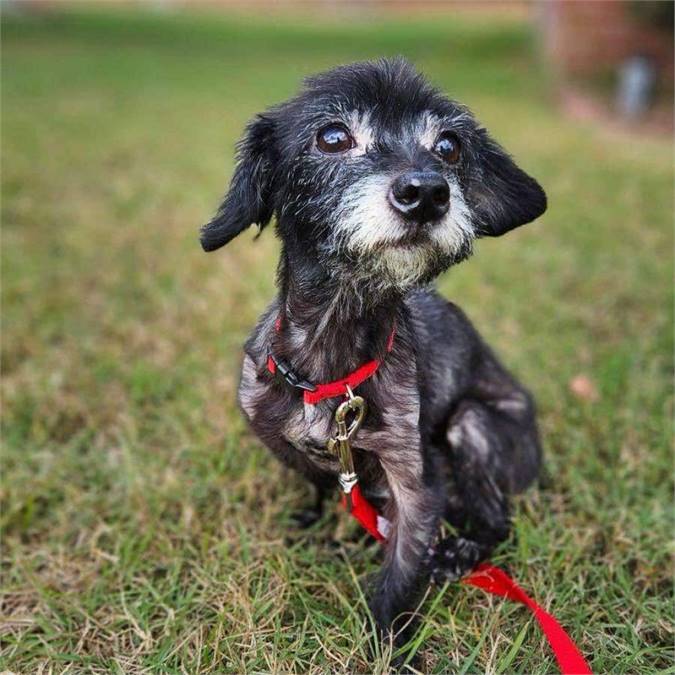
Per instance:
{"type": "Point", "coordinates": [586, 36]}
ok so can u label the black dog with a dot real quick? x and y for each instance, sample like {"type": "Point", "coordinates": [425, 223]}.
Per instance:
{"type": "Point", "coordinates": [379, 184]}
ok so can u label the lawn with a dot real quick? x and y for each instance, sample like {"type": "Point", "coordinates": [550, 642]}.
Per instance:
{"type": "Point", "coordinates": [144, 528]}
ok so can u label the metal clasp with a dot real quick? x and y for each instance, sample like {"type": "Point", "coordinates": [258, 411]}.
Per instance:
{"type": "Point", "coordinates": [340, 444]}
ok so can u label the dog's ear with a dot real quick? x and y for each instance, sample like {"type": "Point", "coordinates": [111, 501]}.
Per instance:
{"type": "Point", "coordinates": [501, 195]}
{"type": "Point", "coordinates": [249, 199]}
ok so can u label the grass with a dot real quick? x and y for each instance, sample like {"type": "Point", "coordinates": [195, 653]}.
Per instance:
{"type": "Point", "coordinates": [144, 528]}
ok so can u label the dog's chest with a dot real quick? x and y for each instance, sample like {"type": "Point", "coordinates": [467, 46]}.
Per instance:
{"type": "Point", "coordinates": [307, 429]}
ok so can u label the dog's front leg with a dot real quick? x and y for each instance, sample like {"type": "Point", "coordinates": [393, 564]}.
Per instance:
{"type": "Point", "coordinates": [312, 513]}
{"type": "Point", "coordinates": [414, 511]}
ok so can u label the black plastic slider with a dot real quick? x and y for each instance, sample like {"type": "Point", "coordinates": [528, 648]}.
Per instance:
{"type": "Point", "coordinates": [290, 377]}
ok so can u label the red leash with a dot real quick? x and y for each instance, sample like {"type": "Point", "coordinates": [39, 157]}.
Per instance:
{"type": "Point", "coordinates": [490, 579]}
{"type": "Point", "coordinates": [496, 581]}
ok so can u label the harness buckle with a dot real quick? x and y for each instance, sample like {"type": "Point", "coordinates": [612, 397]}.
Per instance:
{"type": "Point", "coordinates": [290, 377]}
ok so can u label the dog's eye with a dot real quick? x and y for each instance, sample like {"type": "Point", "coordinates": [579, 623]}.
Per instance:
{"type": "Point", "coordinates": [333, 139]}
{"type": "Point", "coordinates": [447, 147]}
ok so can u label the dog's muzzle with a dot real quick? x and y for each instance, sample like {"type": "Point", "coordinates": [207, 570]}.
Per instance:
{"type": "Point", "coordinates": [420, 196]}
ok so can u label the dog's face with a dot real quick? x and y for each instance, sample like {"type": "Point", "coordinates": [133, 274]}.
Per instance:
{"type": "Point", "coordinates": [373, 174]}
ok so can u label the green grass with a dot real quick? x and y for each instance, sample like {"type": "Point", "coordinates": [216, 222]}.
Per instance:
{"type": "Point", "coordinates": [144, 528]}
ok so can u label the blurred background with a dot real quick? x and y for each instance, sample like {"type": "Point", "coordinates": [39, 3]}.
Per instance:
{"type": "Point", "coordinates": [144, 529]}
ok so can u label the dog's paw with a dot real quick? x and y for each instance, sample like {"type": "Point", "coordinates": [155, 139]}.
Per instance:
{"type": "Point", "coordinates": [305, 518]}
{"type": "Point", "coordinates": [399, 666]}
{"type": "Point", "coordinates": [452, 559]}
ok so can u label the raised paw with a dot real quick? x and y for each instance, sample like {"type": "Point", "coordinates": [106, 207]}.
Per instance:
{"type": "Point", "coordinates": [452, 559]}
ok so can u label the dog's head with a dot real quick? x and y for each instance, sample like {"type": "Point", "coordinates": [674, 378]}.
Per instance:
{"type": "Point", "coordinates": [374, 174]}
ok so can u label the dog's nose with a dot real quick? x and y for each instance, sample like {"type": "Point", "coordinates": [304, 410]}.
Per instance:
{"type": "Point", "coordinates": [420, 195]}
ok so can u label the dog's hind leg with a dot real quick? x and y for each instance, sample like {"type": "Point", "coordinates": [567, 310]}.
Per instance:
{"type": "Point", "coordinates": [479, 509]}
{"type": "Point", "coordinates": [494, 452]}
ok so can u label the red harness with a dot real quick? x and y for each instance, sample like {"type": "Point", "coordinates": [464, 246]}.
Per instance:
{"type": "Point", "coordinates": [491, 579]}
{"type": "Point", "coordinates": [313, 393]}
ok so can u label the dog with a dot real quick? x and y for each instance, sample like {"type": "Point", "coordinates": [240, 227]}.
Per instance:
{"type": "Point", "coordinates": [379, 183]}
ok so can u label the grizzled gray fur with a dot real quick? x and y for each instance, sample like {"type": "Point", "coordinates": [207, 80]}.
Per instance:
{"type": "Point", "coordinates": [379, 183]}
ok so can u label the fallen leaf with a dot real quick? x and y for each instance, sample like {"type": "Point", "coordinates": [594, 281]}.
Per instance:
{"type": "Point", "coordinates": [584, 388]}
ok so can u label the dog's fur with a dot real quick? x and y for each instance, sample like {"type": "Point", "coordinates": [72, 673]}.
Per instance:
{"type": "Point", "coordinates": [449, 432]}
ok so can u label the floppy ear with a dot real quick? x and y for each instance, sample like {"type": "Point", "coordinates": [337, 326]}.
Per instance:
{"type": "Point", "coordinates": [501, 195]}
{"type": "Point", "coordinates": [249, 199]}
